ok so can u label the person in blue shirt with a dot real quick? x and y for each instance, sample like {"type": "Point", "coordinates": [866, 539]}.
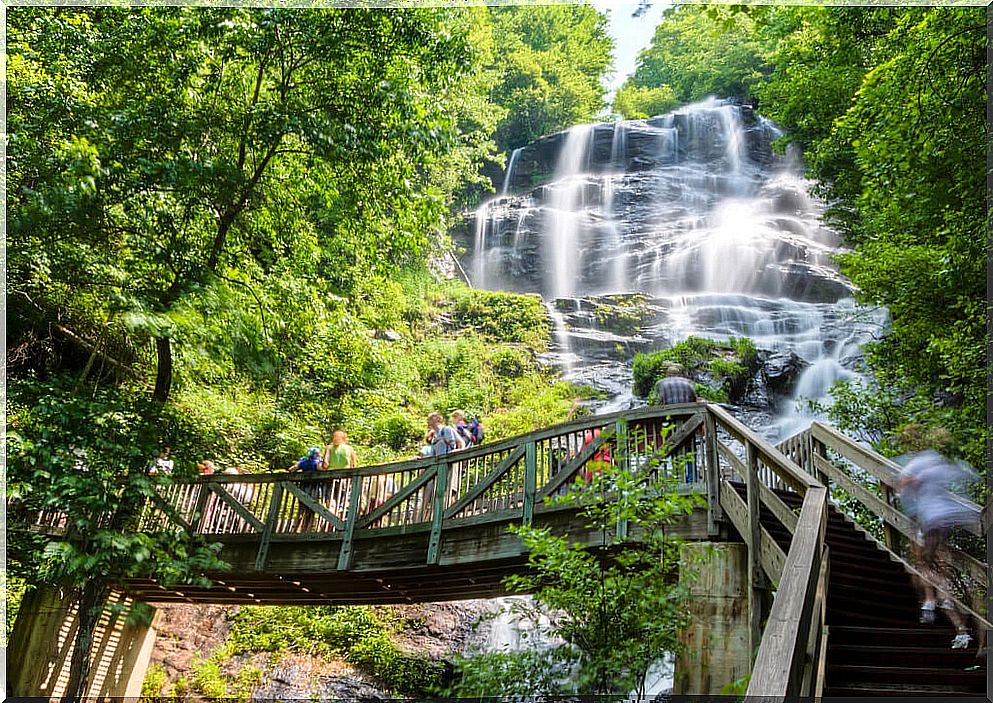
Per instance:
{"type": "Point", "coordinates": [309, 464]}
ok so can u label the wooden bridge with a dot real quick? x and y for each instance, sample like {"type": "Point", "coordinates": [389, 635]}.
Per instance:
{"type": "Point", "coordinates": [843, 619]}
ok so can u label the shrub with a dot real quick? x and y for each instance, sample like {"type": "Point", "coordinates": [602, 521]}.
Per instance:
{"type": "Point", "coordinates": [396, 430]}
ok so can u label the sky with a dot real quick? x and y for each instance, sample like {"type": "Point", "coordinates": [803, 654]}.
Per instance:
{"type": "Point", "coordinates": [631, 35]}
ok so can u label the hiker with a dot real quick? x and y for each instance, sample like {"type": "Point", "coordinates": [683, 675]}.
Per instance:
{"type": "Point", "coordinates": [600, 456]}
{"type": "Point", "coordinates": [163, 464]}
{"type": "Point", "coordinates": [924, 487]}
{"type": "Point", "coordinates": [462, 430]}
{"type": "Point", "coordinates": [309, 464]}
{"type": "Point", "coordinates": [207, 468]}
{"type": "Point", "coordinates": [441, 438]}
{"type": "Point", "coordinates": [339, 455]}
{"type": "Point", "coordinates": [675, 388]}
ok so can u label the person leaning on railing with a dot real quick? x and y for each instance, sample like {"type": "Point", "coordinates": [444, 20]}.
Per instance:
{"type": "Point", "coordinates": [309, 464]}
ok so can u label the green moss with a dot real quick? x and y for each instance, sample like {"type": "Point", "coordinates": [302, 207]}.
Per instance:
{"type": "Point", "coordinates": [727, 364]}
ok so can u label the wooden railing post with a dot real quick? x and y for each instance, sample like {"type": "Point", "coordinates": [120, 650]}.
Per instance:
{"type": "Point", "coordinates": [621, 457]}
{"type": "Point", "coordinates": [755, 582]}
{"type": "Point", "coordinates": [270, 524]}
{"type": "Point", "coordinates": [713, 477]}
{"type": "Point", "coordinates": [352, 517]}
{"type": "Point", "coordinates": [530, 481]}
{"type": "Point", "coordinates": [891, 536]}
{"type": "Point", "coordinates": [440, 491]}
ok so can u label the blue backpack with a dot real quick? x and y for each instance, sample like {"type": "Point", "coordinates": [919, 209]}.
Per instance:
{"type": "Point", "coordinates": [476, 430]}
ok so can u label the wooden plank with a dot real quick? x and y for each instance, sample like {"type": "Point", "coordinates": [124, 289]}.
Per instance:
{"type": "Point", "coordinates": [777, 507]}
{"type": "Point", "coordinates": [351, 518]}
{"type": "Point", "coordinates": [886, 471]}
{"type": "Point", "coordinates": [172, 513]}
{"type": "Point", "coordinates": [530, 481]}
{"type": "Point", "coordinates": [772, 558]}
{"type": "Point", "coordinates": [270, 524]}
{"type": "Point", "coordinates": [869, 499]}
{"type": "Point", "coordinates": [308, 500]}
{"type": "Point", "coordinates": [863, 457]}
{"type": "Point", "coordinates": [774, 672]}
{"type": "Point", "coordinates": [440, 491]}
{"type": "Point", "coordinates": [755, 581]}
{"type": "Point", "coordinates": [491, 478]}
{"type": "Point", "coordinates": [713, 478]}
{"type": "Point", "coordinates": [237, 507]}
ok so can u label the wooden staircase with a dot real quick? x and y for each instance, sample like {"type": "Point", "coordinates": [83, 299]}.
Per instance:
{"type": "Point", "coordinates": [876, 644]}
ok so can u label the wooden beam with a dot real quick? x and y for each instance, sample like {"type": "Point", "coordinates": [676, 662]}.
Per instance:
{"type": "Point", "coordinates": [488, 481]}
{"type": "Point", "coordinates": [573, 465]}
{"type": "Point", "coordinates": [352, 517]}
{"type": "Point", "coordinates": [270, 525]}
{"type": "Point", "coordinates": [237, 507]}
{"type": "Point", "coordinates": [774, 673]}
{"type": "Point", "coordinates": [530, 482]}
{"type": "Point", "coordinates": [308, 500]}
{"type": "Point", "coordinates": [755, 582]}
{"type": "Point", "coordinates": [887, 513]}
{"type": "Point", "coordinates": [772, 557]}
{"type": "Point", "coordinates": [713, 477]}
{"type": "Point", "coordinates": [397, 498]}
{"type": "Point", "coordinates": [438, 518]}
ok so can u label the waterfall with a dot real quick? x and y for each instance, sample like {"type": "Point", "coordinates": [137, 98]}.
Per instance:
{"type": "Point", "coordinates": [566, 211]}
{"type": "Point", "coordinates": [510, 170]}
{"type": "Point", "coordinates": [695, 213]}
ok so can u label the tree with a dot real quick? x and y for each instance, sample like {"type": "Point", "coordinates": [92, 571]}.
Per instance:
{"type": "Point", "coordinates": [96, 477]}
{"type": "Point", "coordinates": [174, 148]}
{"type": "Point", "coordinates": [550, 62]}
{"type": "Point", "coordinates": [617, 606]}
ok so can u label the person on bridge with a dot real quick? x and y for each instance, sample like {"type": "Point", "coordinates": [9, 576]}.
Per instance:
{"type": "Point", "coordinates": [675, 388]}
{"type": "Point", "coordinates": [339, 455]}
{"type": "Point", "coordinates": [163, 464]}
{"type": "Point", "coordinates": [309, 464]}
{"type": "Point", "coordinates": [924, 488]}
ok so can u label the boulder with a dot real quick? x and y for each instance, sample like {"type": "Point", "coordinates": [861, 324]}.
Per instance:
{"type": "Point", "coordinates": [780, 371]}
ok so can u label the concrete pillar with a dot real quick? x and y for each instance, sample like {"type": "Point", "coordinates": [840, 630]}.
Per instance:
{"type": "Point", "coordinates": [716, 641]}
{"type": "Point", "coordinates": [40, 647]}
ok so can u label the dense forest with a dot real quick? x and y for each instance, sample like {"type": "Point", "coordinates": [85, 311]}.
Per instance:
{"type": "Point", "coordinates": [226, 228]}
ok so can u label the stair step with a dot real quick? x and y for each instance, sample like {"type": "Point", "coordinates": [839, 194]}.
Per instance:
{"type": "Point", "coordinates": [912, 657]}
{"type": "Point", "coordinates": [860, 691]}
{"type": "Point", "coordinates": [851, 588]}
{"type": "Point", "coordinates": [845, 674]}
{"type": "Point", "coordinates": [936, 636]}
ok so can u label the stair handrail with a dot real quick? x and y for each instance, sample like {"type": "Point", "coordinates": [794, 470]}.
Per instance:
{"type": "Point", "coordinates": [790, 656]}
{"type": "Point", "coordinates": [896, 523]}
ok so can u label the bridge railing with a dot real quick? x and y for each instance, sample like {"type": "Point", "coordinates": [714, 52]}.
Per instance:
{"type": "Point", "coordinates": [871, 479]}
{"type": "Point", "coordinates": [790, 656]}
{"type": "Point", "coordinates": [506, 479]}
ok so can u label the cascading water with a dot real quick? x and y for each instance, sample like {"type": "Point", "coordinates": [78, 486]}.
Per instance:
{"type": "Point", "coordinates": [643, 233]}
{"type": "Point", "coordinates": [688, 224]}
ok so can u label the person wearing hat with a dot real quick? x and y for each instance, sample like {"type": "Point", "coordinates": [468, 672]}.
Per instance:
{"type": "Point", "coordinates": [675, 387]}
{"type": "Point", "coordinates": [310, 464]}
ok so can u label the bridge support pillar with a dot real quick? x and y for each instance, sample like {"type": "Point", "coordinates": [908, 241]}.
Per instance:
{"type": "Point", "coordinates": [716, 641]}
{"type": "Point", "coordinates": [44, 633]}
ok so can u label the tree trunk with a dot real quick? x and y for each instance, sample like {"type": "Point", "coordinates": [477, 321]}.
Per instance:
{"type": "Point", "coordinates": [91, 604]}
{"type": "Point", "coordinates": [163, 377]}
